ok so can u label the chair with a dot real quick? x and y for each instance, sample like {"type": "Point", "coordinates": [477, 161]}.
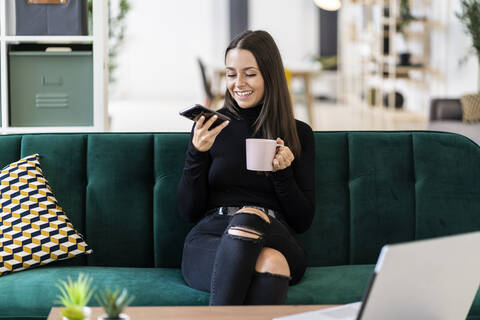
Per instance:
{"type": "Point", "coordinates": [445, 109]}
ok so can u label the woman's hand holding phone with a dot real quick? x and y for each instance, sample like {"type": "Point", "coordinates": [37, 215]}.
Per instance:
{"type": "Point", "coordinates": [203, 138]}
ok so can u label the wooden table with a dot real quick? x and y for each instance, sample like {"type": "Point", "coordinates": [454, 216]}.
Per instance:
{"type": "Point", "coordinates": [203, 312]}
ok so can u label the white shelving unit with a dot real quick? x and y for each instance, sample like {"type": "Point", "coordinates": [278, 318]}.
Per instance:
{"type": "Point", "coordinates": [372, 71]}
{"type": "Point", "coordinates": [99, 42]}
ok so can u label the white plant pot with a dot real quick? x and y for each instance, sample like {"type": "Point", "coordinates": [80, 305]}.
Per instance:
{"type": "Point", "coordinates": [121, 316]}
{"type": "Point", "coordinates": [86, 313]}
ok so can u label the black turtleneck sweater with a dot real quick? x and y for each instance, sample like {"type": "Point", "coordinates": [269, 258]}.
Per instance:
{"type": "Point", "coordinates": [219, 177]}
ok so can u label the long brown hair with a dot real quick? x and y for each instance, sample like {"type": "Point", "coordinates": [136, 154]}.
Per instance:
{"type": "Point", "coordinates": [276, 118]}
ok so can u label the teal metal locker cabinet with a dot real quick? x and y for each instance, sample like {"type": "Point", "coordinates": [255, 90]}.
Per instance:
{"type": "Point", "coordinates": [51, 88]}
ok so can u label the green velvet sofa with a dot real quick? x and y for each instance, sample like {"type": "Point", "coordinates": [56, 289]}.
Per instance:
{"type": "Point", "coordinates": [119, 191]}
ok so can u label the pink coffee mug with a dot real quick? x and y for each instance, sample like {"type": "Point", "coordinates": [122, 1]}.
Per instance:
{"type": "Point", "coordinates": [260, 154]}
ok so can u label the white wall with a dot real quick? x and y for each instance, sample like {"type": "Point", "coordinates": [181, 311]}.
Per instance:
{"type": "Point", "coordinates": [293, 25]}
{"type": "Point", "coordinates": [164, 38]}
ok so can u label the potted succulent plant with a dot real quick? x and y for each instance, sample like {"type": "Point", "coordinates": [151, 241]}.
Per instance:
{"type": "Point", "coordinates": [74, 296]}
{"type": "Point", "coordinates": [113, 303]}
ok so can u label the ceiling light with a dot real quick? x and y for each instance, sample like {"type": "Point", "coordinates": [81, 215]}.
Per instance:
{"type": "Point", "coordinates": [330, 5]}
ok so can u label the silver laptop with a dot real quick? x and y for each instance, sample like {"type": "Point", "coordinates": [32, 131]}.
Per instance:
{"type": "Point", "coordinates": [427, 279]}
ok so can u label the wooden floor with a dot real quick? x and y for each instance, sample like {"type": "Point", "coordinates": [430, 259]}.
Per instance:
{"type": "Point", "coordinates": [341, 117]}
{"type": "Point", "coordinates": [162, 116]}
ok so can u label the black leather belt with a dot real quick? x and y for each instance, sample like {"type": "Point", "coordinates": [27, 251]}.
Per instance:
{"type": "Point", "coordinates": [230, 211]}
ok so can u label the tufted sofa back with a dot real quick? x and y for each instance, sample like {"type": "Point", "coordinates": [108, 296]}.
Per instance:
{"type": "Point", "coordinates": [372, 188]}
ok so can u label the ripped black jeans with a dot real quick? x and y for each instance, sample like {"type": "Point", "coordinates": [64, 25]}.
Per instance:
{"type": "Point", "coordinates": [224, 264]}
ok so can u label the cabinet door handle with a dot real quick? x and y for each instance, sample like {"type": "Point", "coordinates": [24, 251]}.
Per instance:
{"type": "Point", "coordinates": [46, 1]}
{"type": "Point", "coordinates": [59, 82]}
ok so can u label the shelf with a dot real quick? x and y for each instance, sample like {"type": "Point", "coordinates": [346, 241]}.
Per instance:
{"type": "Point", "coordinates": [403, 69]}
{"type": "Point", "coordinates": [21, 130]}
{"type": "Point", "coordinates": [383, 69]}
{"type": "Point", "coordinates": [49, 39]}
{"type": "Point", "coordinates": [387, 21]}
{"type": "Point", "coordinates": [98, 42]}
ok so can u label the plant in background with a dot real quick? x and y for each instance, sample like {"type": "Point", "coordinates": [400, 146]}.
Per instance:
{"type": "Point", "coordinates": [116, 34]}
{"type": "Point", "coordinates": [469, 16]}
{"type": "Point", "coordinates": [116, 31]}
{"type": "Point", "coordinates": [74, 296]}
{"type": "Point", "coordinates": [405, 15]}
{"type": "Point", "coordinates": [327, 62]}
{"type": "Point", "coordinates": [113, 302]}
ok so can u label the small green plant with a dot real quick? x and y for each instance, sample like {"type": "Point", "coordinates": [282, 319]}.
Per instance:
{"type": "Point", "coordinates": [113, 302]}
{"type": "Point", "coordinates": [405, 15]}
{"type": "Point", "coordinates": [327, 62]}
{"type": "Point", "coordinates": [117, 26]}
{"type": "Point", "coordinates": [116, 34]}
{"type": "Point", "coordinates": [74, 296]}
{"type": "Point", "coordinates": [469, 16]}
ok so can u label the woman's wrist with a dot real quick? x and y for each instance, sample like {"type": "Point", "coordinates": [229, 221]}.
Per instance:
{"type": "Point", "coordinates": [283, 174]}
{"type": "Point", "coordinates": [195, 153]}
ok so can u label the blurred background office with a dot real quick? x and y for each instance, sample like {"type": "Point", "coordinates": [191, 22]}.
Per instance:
{"type": "Point", "coordinates": [366, 66]}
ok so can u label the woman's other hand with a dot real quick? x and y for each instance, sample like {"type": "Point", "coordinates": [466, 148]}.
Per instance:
{"type": "Point", "coordinates": [203, 138]}
{"type": "Point", "coordinates": [283, 158]}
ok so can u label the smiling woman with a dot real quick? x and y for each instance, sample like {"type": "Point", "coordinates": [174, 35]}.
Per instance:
{"type": "Point", "coordinates": [244, 80]}
{"type": "Point", "coordinates": [242, 250]}
{"type": "Point", "coordinates": [257, 55]}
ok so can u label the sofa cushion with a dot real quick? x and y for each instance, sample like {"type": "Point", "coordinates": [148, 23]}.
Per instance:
{"type": "Point", "coordinates": [169, 228]}
{"type": "Point", "coordinates": [382, 193]}
{"type": "Point", "coordinates": [119, 200]}
{"type": "Point", "coordinates": [447, 188]}
{"type": "Point", "coordinates": [332, 208]}
{"type": "Point", "coordinates": [165, 286]}
{"type": "Point", "coordinates": [20, 298]}
{"type": "Point", "coordinates": [34, 230]}
{"type": "Point", "coordinates": [32, 294]}
{"type": "Point", "coordinates": [331, 285]}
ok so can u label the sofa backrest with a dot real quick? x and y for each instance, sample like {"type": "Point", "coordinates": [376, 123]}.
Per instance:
{"type": "Point", "coordinates": [375, 188]}
{"type": "Point", "coordinates": [372, 188]}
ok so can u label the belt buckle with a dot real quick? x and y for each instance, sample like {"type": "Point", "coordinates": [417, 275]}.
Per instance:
{"type": "Point", "coordinates": [225, 211]}
{"type": "Point", "coordinates": [271, 213]}
{"type": "Point", "coordinates": [230, 211]}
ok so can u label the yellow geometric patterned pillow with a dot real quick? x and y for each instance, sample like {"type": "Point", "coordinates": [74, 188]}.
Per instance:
{"type": "Point", "coordinates": [34, 230]}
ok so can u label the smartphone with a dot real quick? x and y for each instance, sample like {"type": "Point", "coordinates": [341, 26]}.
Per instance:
{"type": "Point", "coordinates": [196, 111]}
